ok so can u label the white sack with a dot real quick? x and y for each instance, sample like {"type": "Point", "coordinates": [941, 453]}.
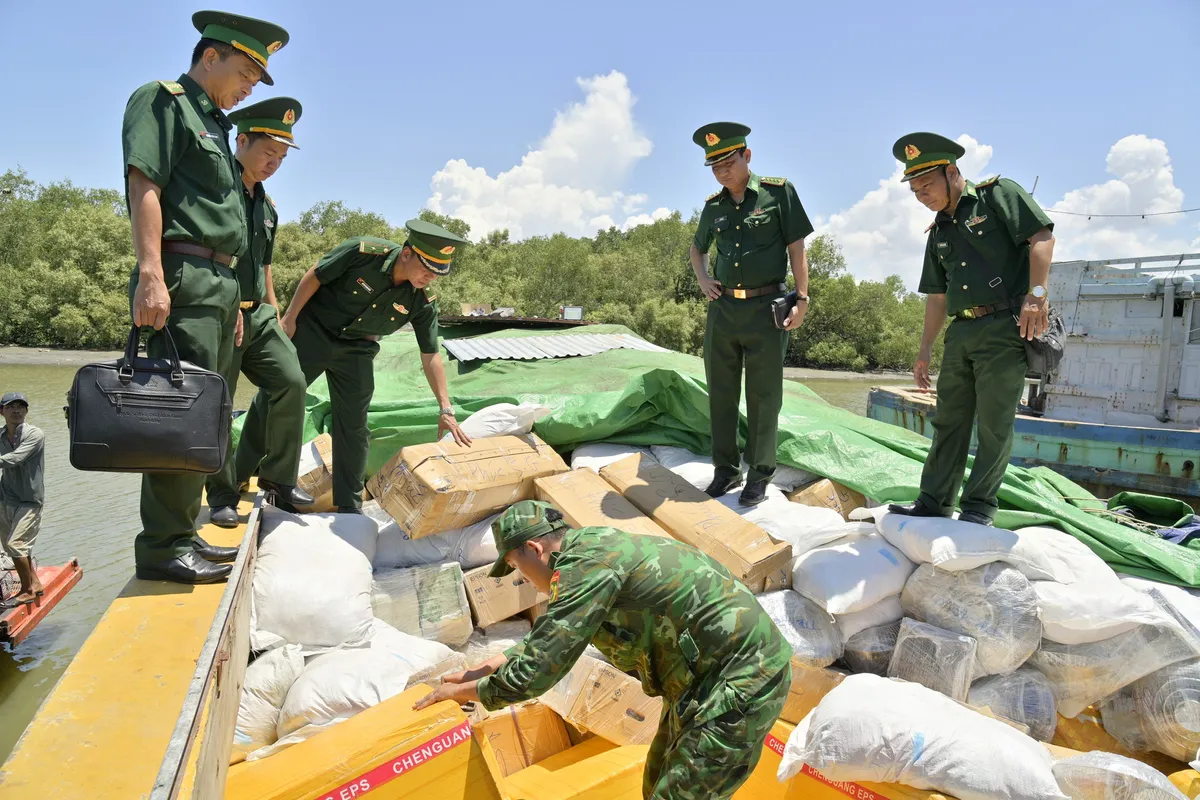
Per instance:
{"type": "Point", "coordinates": [310, 587]}
{"type": "Point", "coordinates": [1092, 611]}
{"type": "Point", "coordinates": [417, 654]}
{"type": "Point", "coordinates": [807, 627]}
{"type": "Point", "coordinates": [598, 455]}
{"type": "Point", "coordinates": [851, 574]}
{"type": "Point", "coordinates": [472, 546]}
{"type": "Point", "coordinates": [1183, 604]}
{"type": "Point", "coordinates": [429, 602]}
{"type": "Point", "coordinates": [354, 529]}
{"type": "Point", "coordinates": [1106, 776]}
{"type": "Point", "coordinates": [874, 729]}
{"type": "Point", "coordinates": [266, 686]}
{"type": "Point", "coordinates": [501, 419]}
{"type": "Point", "coordinates": [1168, 705]}
{"type": "Point", "coordinates": [993, 604]}
{"type": "Point", "coordinates": [934, 657]}
{"type": "Point", "coordinates": [885, 612]}
{"type": "Point", "coordinates": [1024, 696]}
{"type": "Point", "coordinates": [484, 644]}
{"type": "Point", "coordinates": [871, 650]}
{"type": "Point", "coordinates": [803, 527]}
{"type": "Point", "coordinates": [698, 470]}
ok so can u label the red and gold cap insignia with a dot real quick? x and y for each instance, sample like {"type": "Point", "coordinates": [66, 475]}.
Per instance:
{"type": "Point", "coordinates": [447, 250]}
{"type": "Point", "coordinates": [712, 139]}
{"type": "Point", "coordinates": [911, 151]}
{"type": "Point", "coordinates": [290, 117]}
{"type": "Point", "coordinates": [273, 46]}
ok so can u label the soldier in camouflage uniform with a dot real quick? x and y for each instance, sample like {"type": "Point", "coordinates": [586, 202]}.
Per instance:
{"type": "Point", "coordinates": [655, 607]}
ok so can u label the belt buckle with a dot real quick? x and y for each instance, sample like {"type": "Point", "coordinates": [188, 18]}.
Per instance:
{"type": "Point", "coordinates": [969, 313]}
{"type": "Point", "coordinates": [739, 294]}
{"type": "Point", "coordinates": [245, 304]}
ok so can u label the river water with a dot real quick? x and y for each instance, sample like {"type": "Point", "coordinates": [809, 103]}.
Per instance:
{"type": "Point", "coordinates": [93, 516]}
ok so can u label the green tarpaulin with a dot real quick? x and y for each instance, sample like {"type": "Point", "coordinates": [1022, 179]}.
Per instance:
{"type": "Point", "coordinates": [661, 398]}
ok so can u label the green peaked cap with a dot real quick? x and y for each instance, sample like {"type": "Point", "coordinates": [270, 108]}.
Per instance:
{"type": "Point", "coordinates": [274, 117]}
{"type": "Point", "coordinates": [922, 152]}
{"type": "Point", "coordinates": [257, 39]}
{"type": "Point", "coordinates": [720, 140]}
{"type": "Point", "coordinates": [522, 522]}
{"type": "Point", "coordinates": [433, 244]}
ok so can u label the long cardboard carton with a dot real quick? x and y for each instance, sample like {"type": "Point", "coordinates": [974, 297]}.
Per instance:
{"type": "Point", "coordinates": [496, 599]}
{"type": "Point", "coordinates": [688, 514]}
{"type": "Point", "coordinates": [431, 488]}
{"type": "Point", "coordinates": [585, 499]}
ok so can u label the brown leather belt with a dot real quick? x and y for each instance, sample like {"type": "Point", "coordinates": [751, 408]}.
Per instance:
{"type": "Point", "coordinates": [975, 312]}
{"type": "Point", "coordinates": [746, 294]}
{"type": "Point", "coordinates": [191, 249]}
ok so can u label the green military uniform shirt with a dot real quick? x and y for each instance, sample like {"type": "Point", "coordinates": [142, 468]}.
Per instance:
{"type": "Point", "coordinates": [654, 606]}
{"type": "Point", "coordinates": [979, 255]}
{"type": "Point", "coordinates": [261, 222]}
{"type": "Point", "coordinates": [178, 137]}
{"type": "Point", "coordinates": [753, 236]}
{"type": "Point", "coordinates": [358, 299]}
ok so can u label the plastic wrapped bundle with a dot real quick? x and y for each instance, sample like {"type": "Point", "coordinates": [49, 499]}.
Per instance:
{"type": "Point", "coordinates": [808, 628]}
{"type": "Point", "coordinates": [1023, 696]}
{"type": "Point", "coordinates": [936, 658]}
{"type": "Point", "coordinates": [1105, 776]}
{"type": "Point", "coordinates": [994, 604]}
{"type": "Point", "coordinates": [1083, 674]}
{"type": "Point", "coordinates": [1120, 716]}
{"type": "Point", "coordinates": [1168, 704]}
{"type": "Point", "coordinates": [870, 650]}
{"type": "Point", "coordinates": [494, 640]}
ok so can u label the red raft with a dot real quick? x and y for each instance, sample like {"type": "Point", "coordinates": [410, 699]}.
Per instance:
{"type": "Point", "coordinates": [17, 623]}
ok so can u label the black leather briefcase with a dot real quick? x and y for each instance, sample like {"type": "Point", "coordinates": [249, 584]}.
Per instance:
{"type": "Point", "coordinates": [139, 414]}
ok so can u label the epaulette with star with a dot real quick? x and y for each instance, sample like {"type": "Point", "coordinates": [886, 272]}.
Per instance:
{"type": "Point", "coordinates": [714, 195]}
{"type": "Point", "coordinates": [373, 248]}
{"type": "Point", "coordinates": [987, 181]}
{"type": "Point", "coordinates": [172, 86]}
{"type": "Point", "coordinates": [927, 230]}
{"type": "Point", "coordinates": [429, 298]}
{"type": "Point", "coordinates": [773, 181]}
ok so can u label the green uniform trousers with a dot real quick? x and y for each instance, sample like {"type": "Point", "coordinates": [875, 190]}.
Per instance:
{"type": "Point", "coordinates": [273, 431]}
{"type": "Point", "coordinates": [983, 373]}
{"type": "Point", "coordinates": [204, 299]}
{"type": "Point", "coordinates": [349, 368]}
{"type": "Point", "coordinates": [741, 332]}
{"type": "Point", "coordinates": [711, 760]}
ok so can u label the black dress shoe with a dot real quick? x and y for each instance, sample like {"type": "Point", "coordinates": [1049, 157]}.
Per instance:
{"type": "Point", "coordinates": [349, 510]}
{"type": "Point", "coordinates": [977, 518]}
{"type": "Point", "coordinates": [187, 568]}
{"type": "Point", "coordinates": [210, 552]}
{"type": "Point", "coordinates": [723, 484]}
{"type": "Point", "coordinates": [223, 516]}
{"type": "Point", "coordinates": [917, 509]}
{"type": "Point", "coordinates": [290, 495]}
{"type": "Point", "coordinates": [754, 493]}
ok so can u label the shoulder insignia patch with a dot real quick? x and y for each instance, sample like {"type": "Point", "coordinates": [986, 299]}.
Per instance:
{"type": "Point", "coordinates": [988, 181]}
{"type": "Point", "coordinates": [773, 181]}
{"type": "Point", "coordinates": [927, 230]}
{"type": "Point", "coordinates": [171, 86]}
{"type": "Point", "coordinates": [429, 298]}
{"type": "Point", "coordinates": [373, 248]}
{"type": "Point", "coordinates": [269, 200]}
{"type": "Point", "coordinates": [714, 195]}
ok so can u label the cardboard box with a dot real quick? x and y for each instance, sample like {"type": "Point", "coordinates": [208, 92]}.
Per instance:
{"type": "Point", "coordinates": [316, 471]}
{"type": "Point", "coordinates": [521, 736]}
{"type": "Point", "coordinates": [688, 514]}
{"type": "Point", "coordinates": [598, 697]}
{"type": "Point", "coordinates": [762, 783]}
{"type": "Point", "coordinates": [432, 488]}
{"type": "Point", "coordinates": [585, 499]}
{"type": "Point", "coordinates": [593, 770]}
{"type": "Point", "coordinates": [1186, 781]}
{"type": "Point", "coordinates": [809, 687]}
{"type": "Point", "coordinates": [829, 494]}
{"type": "Point", "coordinates": [388, 751]}
{"type": "Point", "coordinates": [495, 599]}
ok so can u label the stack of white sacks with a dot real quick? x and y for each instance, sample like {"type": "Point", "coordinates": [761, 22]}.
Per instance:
{"type": "Point", "coordinates": [1030, 624]}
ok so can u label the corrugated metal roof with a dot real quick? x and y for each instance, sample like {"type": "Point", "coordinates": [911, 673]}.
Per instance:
{"type": "Point", "coordinates": [525, 348]}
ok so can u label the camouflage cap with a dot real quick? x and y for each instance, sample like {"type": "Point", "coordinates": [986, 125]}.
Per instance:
{"type": "Point", "coordinates": [524, 521]}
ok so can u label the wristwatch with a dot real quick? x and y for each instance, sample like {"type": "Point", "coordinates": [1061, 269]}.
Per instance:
{"type": "Point", "coordinates": [447, 412]}
{"type": "Point", "coordinates": [1038, 291]}
{"type": "Point", "coordinates": [801, 298]}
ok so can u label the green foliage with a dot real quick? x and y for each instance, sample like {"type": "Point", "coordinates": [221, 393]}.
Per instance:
{"type": "Point", "coordinates": [66, 257]}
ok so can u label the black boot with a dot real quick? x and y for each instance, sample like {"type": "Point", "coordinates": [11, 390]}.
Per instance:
{"type": "Point", "coordinates": [187, 568]}
{"type": "Point", "coordinates": [223, 516]}
{"type": "Point", "coordinates": [282, 496]}
{"type": "Point", "coordinates": [754, 493]}
{"type": "Point", "coordinates": [210, 552]}
{"type": "Point", "coordinates": [977, 518]}
{"type": "Point", "coordinates": [723, 484]}
{"type": "Point", "coordinates": [917, 509]}
{"type": "Point", "coordinates": [349, 510]}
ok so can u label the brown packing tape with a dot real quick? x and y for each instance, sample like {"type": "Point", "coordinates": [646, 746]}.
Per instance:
{"type": "Point", "coordinates": [523, 735]}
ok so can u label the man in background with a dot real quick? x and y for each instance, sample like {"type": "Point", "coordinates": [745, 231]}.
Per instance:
{"type": "Point", "coordinates": [22, 492]}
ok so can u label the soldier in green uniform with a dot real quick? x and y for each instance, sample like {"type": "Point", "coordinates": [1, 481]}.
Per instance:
{"type": "Point", "coordinates": [270, 444]}
{"type": "Point", "coordinates": [694, 635]}
{"type": "Point", "coordinates": [189, 228]}
{"type": "Point", "coordinates": [361, 290]}
{"type": "Point", "coordinates": [987, 260]}
{"type": "Point", "coordinates": [758, 225]}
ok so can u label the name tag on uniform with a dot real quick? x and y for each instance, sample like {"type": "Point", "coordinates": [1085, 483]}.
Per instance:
{"type": "Point", "coordinates": [209, 135]}
{"type": "Point", "coordinates": [719, 220]}
{"type": "Point", "coordinates": [943, 247]}
{"type": "Point", "coordinates": [365, 285]}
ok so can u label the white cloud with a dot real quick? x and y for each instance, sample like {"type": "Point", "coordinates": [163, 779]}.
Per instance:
{"type": "Point", "coordinates": [571, 182]}
{"type": "Point", "coordinates": [884, 232]}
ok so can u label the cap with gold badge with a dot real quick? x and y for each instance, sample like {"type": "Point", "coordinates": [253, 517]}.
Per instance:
{"type": "Point", "coordinates": [274, 117]}
{"type": "Point", "coordinates": [433, 244]}
{"type": "Point", "coordinates": [922, 152]}
{"type": "Point", "coordinates": [256, 38]}
{"type": "Point", "coordinates": [720, 140]}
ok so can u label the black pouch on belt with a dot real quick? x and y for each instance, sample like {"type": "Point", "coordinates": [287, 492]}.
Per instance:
{"type": "Point", "coordinates": [781, 308]}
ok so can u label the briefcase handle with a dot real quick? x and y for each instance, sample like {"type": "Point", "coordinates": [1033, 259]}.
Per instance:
{"type": "Point", "coordinates": [125, 373]}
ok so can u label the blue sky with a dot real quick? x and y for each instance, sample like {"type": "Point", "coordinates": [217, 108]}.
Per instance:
{"type": "Point", "coordinates": [393, 92]}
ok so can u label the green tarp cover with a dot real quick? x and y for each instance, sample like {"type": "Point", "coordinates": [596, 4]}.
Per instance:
{"type": "Point", "coordinates": [661, 398]}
